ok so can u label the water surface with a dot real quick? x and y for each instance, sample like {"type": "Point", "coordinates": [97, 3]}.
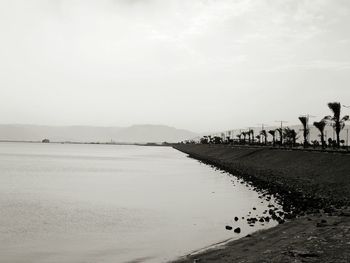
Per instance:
{"type": "Point", "coordinates": [107, 203]}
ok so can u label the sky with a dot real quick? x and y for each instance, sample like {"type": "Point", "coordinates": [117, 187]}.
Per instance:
{"type": "Point", "coordinates": [202, 65]}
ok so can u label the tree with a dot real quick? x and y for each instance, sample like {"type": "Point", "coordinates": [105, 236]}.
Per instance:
{"type": "Point", "coordinates": [338, 123]}
{"type": "Point", "coordinates": [217, 140]}
{"type": "Point", "coordinates": [258, 137]}
{"type": "Point", "coordinates": [280, 131]}
{"type": "Point", "coordinates": [290, 136]}
{"type": "Point", "coordinates": [244, 134]}
{"type": "Point", "coordinates": [320, 125]}
{"type": "Point", "coordinates": [248, 133]}
{"type": "Point", "coordinates": [304, 120]}
{"type": "Point", "coordinates": [273, 133]}
{"type": "Point", "coordinates": [251, 132]}
{"type": "Point", "coordinates": [204, 140]}
{"type": "Point", "coordinates": [264, 133]}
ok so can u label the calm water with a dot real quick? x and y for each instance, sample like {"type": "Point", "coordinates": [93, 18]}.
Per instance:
{"type": "Point", "coordinates": [104, 203]}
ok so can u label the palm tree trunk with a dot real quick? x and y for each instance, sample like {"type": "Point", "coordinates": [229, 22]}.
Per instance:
{"type": "Point", "coordinates": [322, 140]}
{"type": "Point", "coordinates": [281, 135]}
{"type": "Point", "coordinates": [338, 138]}
{"type": "Point", "coordinates": [337, 131]}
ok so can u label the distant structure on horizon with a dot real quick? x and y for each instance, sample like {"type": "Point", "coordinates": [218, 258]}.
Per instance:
{"type": "Point", "coordinates": [45, 141]}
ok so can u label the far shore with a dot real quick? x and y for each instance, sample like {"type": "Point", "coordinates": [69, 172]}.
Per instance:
{"type": "Point", "coordinates": [314, 185]}
{"type": "Point", "coordinates": [96, 143]}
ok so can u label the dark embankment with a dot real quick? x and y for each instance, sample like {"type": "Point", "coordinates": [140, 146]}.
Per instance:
{"type": "Point", "coordinates": [314, 189]}
{"type": "Point", "coordinates": [306, 179]}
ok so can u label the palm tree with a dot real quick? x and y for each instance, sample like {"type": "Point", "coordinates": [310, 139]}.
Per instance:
{"type": "Point", "coordinates": [248, 133]}
{"type": "Point", "coordinates": [273, 133]}
{"type": "Point", "coordinates": [244, 134]}
{"type": "Point", "coordinates": [337, 122]}
{"type": "Point", "coordinates": [258, 137]}
{"type": "Point", "coordinates": [320, 125]}
{"type": "Point", "coordinates": [252, 134]}
{"type": "Point", "coordinates": [264, 133]}
{"type": "Point", "coordinates": [280, 131]}
{"type": "Point", "coordinates": [304, 120]}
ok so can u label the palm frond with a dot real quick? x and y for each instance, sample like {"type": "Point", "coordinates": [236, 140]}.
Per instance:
{"type": "Point", "coordinates": [335, 107]}
{"type": "Point", "coordinates": [320, 125]}
{"type": "Point", "coordinates": [303, 120]}
{"type": "Point", "coordinates": [345, 118]}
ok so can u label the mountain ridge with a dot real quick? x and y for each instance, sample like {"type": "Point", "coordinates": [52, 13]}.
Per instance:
{"type": "Point", "coordinates": [138, 133]}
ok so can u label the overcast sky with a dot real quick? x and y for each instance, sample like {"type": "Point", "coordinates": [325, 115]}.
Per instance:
{"type": "Point", "coordinates": [201, 65]}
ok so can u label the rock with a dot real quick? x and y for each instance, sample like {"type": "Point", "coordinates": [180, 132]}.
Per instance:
{"type": "Point", "coordinates": [236, 218]}
{"type": "Point", "coordinates": [280, 220]}
{"type": "Point", "coordinates": [303, 254]}
{"type": "Point", "coordinates": [237, 230]}
{"type": "Point", "coordinates": [228, 227]}
{"type": "Point", "coordinates": [320, 224]}
{"type": "Point", "coordinates": [328, 210]}
{"type": "Point", "coordinates": [254, 208]}
{"type": "Point", "coordinates": [345, 213]}
{"type": "Point", "coordinates": [288, 216]}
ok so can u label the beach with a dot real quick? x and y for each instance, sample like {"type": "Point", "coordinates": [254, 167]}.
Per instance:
{"type": "Point", "coordinates": [314, 185]}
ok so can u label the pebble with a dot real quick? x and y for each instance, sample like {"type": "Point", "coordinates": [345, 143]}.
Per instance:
{"type": "Point", "coordinates": [237, 230]}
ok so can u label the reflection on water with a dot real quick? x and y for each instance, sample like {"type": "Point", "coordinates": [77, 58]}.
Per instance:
{"type": "Point", "coordinates": [104, 203]}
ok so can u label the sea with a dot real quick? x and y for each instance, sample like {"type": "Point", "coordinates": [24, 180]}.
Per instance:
{"type": "Point", "coordinates": [116, 203]}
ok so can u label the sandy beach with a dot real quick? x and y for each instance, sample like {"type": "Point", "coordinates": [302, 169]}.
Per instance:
{"type": "Point", "coordinates": [315, 185]}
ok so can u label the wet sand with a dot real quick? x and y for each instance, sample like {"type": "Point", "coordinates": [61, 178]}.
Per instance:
{"type": "Point", "coordinates": [315, 185]}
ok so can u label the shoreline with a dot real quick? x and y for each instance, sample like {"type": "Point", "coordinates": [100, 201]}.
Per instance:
{"type": "Point", "coordinates": [318, 228]}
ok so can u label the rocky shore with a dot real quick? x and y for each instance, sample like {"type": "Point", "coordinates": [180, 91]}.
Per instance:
{"type": "Point", "coordinates": [312, 187]}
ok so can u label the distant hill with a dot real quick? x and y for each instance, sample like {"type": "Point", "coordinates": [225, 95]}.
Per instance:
{"type": "Point", "coordinates": [132, 134]}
